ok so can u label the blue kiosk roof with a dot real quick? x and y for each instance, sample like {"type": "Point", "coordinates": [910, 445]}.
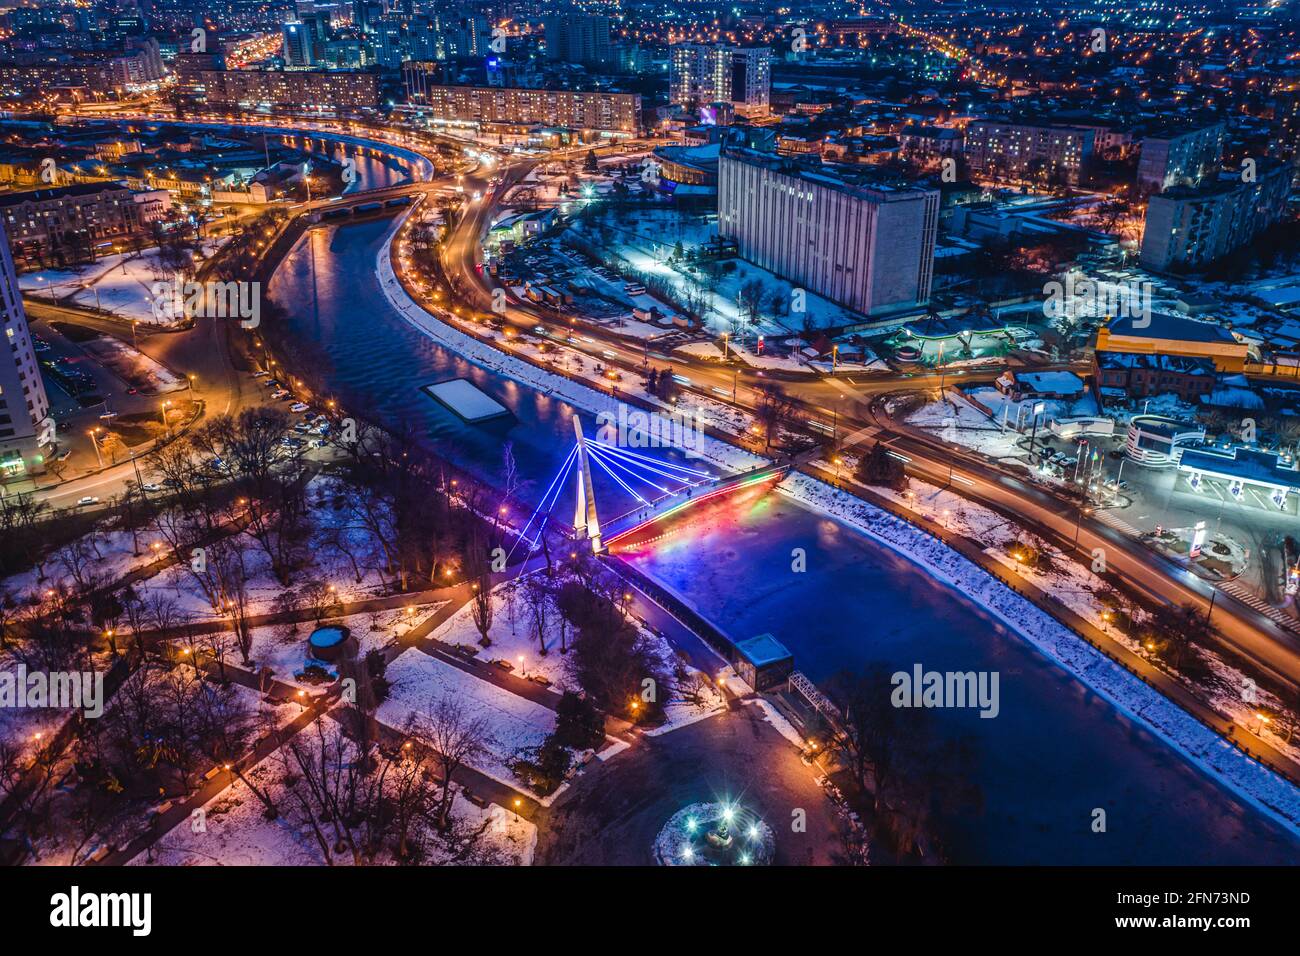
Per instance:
{"type": "Point", "coordinates": [763, 649]}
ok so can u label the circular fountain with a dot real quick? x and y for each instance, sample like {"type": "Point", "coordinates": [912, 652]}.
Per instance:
{"type": "Point", "coordinates": [715, 834]}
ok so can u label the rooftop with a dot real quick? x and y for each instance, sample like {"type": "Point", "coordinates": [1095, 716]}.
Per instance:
{"type": "Point", "coordinates": [763, 649]}
{"type": "Point", "coordinates": [1174, 328]}
{"type": "Point", "coordinates": [59, 192]}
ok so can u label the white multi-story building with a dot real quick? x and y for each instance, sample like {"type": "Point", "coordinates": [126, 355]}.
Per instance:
{"type": "Point", "coordinates": [1180, 158]}
{"type": "Point", "coordinates": [1028, 151]}
{"type": "Point", "coordinates": [1191, 226]}
{"type": "Point", "coordinates": [742, 76]}
{"type": "Point", "coordinates": [865, 245]}
{"type": "Point", "coordinates": [26, 428]}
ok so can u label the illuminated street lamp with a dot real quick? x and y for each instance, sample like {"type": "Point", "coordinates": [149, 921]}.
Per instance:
{"type": "Point", "coordinates": [93, 441]}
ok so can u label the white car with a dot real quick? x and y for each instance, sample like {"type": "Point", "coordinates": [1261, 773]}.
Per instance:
{"type": "Point", "coordinates": [151, 486]}
{"type": "Point", "coordinates": [86, 500]}
{"type": "Point", "coordinates": [279, 393]}
{"type": "Point", "coordinates": [299, 407]}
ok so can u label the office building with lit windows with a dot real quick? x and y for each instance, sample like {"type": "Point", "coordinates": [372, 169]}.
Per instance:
{"type": "Point", "coordinates": [864, 242]}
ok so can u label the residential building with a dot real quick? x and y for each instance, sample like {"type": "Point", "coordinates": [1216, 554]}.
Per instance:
{"type": "Point", "coordinates": [71, 223]}
{"type": "Point", "coordinates": [865, 243]}
{"type": "Point", "coordinates": [578, 38]}
{"type": "Point", "coordinates": [615, 112]}
{"type": "Point", "coordinates": [1174, 157]}
{"type": "Point", "coordinates": [26, 428]}
{"type": "Point", "coordinates": [700, 75]}
{"type": "Point", "coordinates": [302, 91]}
{"type": "Point", "coordinates": [1188, 227]}
{"type": "Point", "coordinates": [1029, 151]}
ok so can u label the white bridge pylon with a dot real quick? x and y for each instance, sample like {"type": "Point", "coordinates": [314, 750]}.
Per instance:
{"type": "Point", "coordinates": [585, 522]}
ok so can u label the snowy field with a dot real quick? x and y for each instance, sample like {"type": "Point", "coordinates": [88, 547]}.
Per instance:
{"type": "Point", "coordinates": [121, 284]}
{"type": "Point", "coordinates": [961, 423]}
{"type": "Point", "coordinates": [512, 723]}
{"type": "Point", "coordinates": [283, 647]}
{"type": "Point", "coordinates": [514, 636]}
{"type": "Point", "coordinates": [237, 832]}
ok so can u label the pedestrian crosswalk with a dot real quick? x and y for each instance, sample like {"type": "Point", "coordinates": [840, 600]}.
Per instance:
{"type": "Point", "coordinates": [1118, 523]}
{"type": "Point", "coordinates": [1252, 600]}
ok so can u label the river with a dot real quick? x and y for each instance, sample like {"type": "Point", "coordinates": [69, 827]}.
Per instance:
{"type": "Point", "coordinates": [1055, 752]}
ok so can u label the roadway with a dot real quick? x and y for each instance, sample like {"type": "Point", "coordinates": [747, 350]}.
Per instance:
{"type": "Point", "coordinates": [851, 403]}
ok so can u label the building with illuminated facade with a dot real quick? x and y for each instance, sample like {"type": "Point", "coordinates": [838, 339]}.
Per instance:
{"type": "Point", "coordinates": [26, 428]}
{"type": "Point", "coordinates": [864, 243]}
{"type": "Point", "coordinates": [1028, 151]}
{"type": "Point", "coordinates": [615, 112]}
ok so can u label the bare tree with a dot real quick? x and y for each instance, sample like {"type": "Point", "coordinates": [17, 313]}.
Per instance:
{"type": "Point", "coordinates": [456, 737]}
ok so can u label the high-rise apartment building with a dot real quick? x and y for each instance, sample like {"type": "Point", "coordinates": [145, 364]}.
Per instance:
{"type": "Point", "coordinates": [1180, 157]}
{"type": "Point", "coordinates": [578, 38]}
{"type": "Point", "coordinates": [865, 243]}
{"type": "Point", "coordinates": [1188, 227]}
{"type": "Point", "coordinates": [299, 45]}
{"type": "Point", "coordinates": [700, 75]}
{"type": "Point", "coordinates": [26, 428]}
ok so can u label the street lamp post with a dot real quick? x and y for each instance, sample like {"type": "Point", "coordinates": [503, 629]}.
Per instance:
{"type": "Point", "coordinates": [98, 456]}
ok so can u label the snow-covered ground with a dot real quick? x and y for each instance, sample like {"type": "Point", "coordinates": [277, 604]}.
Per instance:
{"type": "Point", "coordinates": [283, 647]}
{"type": "Point", "coordinates": [107, 555]}
{"type": "Point", "coordinates": [1008, 410]}
{"type": "Point", "coordinates": [646, 242]}
{"type": "Point", "coordinates": [132, 365]}
{"type": "Point", "coordinates": [514, 639]}
{"type": "Point", "coordinates": [511, 723]}
{"type": "Point", "coordinates": [236, 832]}
{"type": "Point", "coordinates": [957, 421]}
{"type": "Point", "coordinates": [121, 284]}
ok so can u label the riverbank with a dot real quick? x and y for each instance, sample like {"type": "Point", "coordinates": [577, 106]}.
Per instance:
{"type": "Point", "coordinates": [1186, 734]}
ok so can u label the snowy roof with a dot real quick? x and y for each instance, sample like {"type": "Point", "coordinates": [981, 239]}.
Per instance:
{"type": "Point", "coordinates": [1051, 383]}
{"type": "Point", "coordinates": [763, 649]}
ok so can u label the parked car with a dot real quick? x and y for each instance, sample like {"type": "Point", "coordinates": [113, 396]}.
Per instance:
{"type": "Point", "coordinates": [151, 486]}
{"type": "Point", "coordinates": [86, 500]}
{"type": "Point", "coordinates": [299, 407]}
{"type": "Point", "coordinates": [280, 393]}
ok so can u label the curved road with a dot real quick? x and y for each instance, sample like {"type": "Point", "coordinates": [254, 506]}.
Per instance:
{"type": "Point", "coordinates": [852, 403]}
